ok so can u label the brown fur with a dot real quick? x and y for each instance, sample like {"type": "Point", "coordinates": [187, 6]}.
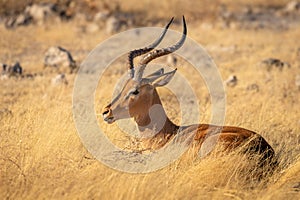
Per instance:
{"type": "Point", "coordinates": [229, 137]}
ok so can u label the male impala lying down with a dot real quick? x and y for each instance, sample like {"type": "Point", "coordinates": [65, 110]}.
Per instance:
{"type": "Point", "coordinates": [139, 95]}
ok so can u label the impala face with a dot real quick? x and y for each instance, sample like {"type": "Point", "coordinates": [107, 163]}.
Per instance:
{"type": "Point", "coordinates": [136, 98]}
{"type": "Point", "coordinates": [138, 93]}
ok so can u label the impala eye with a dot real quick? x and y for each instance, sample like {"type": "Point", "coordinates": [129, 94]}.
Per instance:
{"type": "Point", "coordinates": [135, 92]}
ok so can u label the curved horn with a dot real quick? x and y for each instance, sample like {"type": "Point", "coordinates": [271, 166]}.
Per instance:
{"type": "Point", "coordinates": [160, 52]}
{"type": "Point", "coordinates": [138, 52]}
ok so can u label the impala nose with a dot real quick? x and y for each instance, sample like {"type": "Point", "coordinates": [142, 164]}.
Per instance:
{"type": "Point", "coordinates": [108, 116]}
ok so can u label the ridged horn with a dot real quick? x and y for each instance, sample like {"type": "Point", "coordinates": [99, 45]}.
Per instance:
{"type": "Point", "coordinates": [138, 52]}
{"type": "Point", "coordinates": [160, 52]}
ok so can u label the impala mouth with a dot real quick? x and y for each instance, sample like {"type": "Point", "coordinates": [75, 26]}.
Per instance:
{"type": "Point", "coordinates": [109, 120]}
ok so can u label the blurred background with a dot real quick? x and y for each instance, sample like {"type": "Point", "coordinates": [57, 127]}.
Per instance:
{"type": "Point", "coordinates": [254, 43]}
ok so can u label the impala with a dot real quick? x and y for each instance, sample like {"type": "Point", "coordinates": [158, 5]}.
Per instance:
{"type": "Point", "coordinates": [139, 96]}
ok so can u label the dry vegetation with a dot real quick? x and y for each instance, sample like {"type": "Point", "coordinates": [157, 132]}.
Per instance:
{"type": "Point", "coordinates": [41, 155]}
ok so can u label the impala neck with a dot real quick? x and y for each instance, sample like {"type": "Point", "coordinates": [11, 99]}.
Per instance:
{"type": "Point", "coordinates": [154, 123]}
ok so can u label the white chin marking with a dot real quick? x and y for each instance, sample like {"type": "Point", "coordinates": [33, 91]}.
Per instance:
{"type": "Point", "coordinates": [110, 121]}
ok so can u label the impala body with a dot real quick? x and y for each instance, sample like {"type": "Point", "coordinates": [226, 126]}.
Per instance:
{"type": "Point", "coordinates": [139, 100]}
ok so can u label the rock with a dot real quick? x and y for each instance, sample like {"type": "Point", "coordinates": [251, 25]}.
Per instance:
{"type": "Point", "coordinates": [292, 6]}
{"type": "Point", "coordinates": [36, 13]}
{"type": "Point", "coordinates": [39, 12]}
{"type": "Point", "coordinates": [21, 19]}
{"type": "Point", "coordinates": [4, 71]}
{"type": "Point", "coordinates": [231, 81]}
{"type": "Point", "coordinates": [4, 67]}
{"type": "Point", "coordinates": [16, 69]}
{"type": "Point", "coordinates": [66, 10]}
{"type": "Point", "coordinates": [113, 25]}
{"type": "Point", "coordinates": [57, 57]}
{"type": "Point", "coordinates": [59, 79]}
{"type": "Point", "coordinates": [102, 15]}
{"type": "Point", "coordinates": [274, 62]}
{"type": "Point", "coordinates": [171, 60]}
{"type": "Point", "coordinates": [253, 87]}
{"type": "Point", "coordinates": [9, 71]}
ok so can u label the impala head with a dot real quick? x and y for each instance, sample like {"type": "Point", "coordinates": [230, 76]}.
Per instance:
{"type": "Point", "coordinates": [139, 93]}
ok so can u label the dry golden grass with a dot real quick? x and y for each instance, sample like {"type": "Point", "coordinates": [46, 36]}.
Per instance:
{"type": "Point", "coordinates": [41, 155]}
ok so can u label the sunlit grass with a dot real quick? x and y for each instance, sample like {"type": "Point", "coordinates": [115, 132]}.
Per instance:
{"type": "Point", "coordinates": [41, 155]}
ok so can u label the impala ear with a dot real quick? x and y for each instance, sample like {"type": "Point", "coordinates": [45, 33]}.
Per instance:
{"type": "Point", "coordinates": [164, 79]}
{"type": "Point", "coordinates": [155, 74]}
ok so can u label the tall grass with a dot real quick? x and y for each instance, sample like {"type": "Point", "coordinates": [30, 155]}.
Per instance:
{"type": "Point", "coordinates": [41, 155]}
